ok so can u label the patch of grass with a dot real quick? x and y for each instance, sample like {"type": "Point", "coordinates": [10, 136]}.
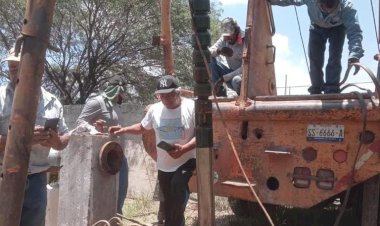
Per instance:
{"type": "Point", "coordinates": [140, 206]}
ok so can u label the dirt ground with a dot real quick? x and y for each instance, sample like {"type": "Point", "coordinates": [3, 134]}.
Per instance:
{"type": "Point", "coordinates": [144, 212]}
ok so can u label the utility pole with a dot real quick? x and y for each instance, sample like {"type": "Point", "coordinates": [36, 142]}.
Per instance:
{"type": "Point", "coordinates": [34, 39]}
{"type": "Point", "coordinates": [203, 111]}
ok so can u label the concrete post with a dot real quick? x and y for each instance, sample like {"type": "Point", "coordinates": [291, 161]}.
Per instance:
{"type": "Point", "coordinates": [87, 194]}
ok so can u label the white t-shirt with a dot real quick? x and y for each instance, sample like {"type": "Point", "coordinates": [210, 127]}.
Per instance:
{"type": "Point", "coordinates": [175, 126]}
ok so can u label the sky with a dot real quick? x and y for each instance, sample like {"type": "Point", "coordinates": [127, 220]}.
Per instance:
{"type": "Point", "coordinates": [290, 65]}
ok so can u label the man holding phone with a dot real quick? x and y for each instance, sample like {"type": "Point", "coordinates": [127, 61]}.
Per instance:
{"type": "Point", "coordinates": [173, 122]}
{"type": "Point", "coordinates": [35, 197]}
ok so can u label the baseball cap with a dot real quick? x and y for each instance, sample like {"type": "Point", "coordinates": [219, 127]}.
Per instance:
{"type": "Point", "coordinates": [11, 56]}
{"type": "Point", "coordinates": [167, 84]}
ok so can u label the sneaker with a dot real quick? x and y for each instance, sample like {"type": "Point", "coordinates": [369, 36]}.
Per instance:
{"type": "Point", "coordinates": [220, 91]}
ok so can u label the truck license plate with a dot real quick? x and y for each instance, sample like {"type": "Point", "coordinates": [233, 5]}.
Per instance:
{"type": "Point", "coordinates": [325, 133]}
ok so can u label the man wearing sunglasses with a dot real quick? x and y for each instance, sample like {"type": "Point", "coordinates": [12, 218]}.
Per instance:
{"type": "Point", "coordinates": [331, 20]}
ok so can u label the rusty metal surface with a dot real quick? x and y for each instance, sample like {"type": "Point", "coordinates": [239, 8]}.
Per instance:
{"type": "Point", "coordinates": [18, 144]}
{"type": "Point", "coordinates": [261, 79]}
{"type": "Point", "coordinates": [274, 124]}
{"type": "Point", "coordinates": [111, 157]}
{"type": "Point", "coordinates": [277, 126]}
{"type": "Point", "coordinates": [166, 37]}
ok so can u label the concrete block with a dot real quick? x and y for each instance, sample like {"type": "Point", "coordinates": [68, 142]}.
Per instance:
{"type": "Point", "coordinates": [52, 205]}
{"type": "Point", "coordinates": [87, 194]}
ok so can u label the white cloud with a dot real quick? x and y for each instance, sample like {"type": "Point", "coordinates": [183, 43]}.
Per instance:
{"type": "Point", "coordinates": [233, 2]}
{"type": "Point", "coordinates": [290, 68]}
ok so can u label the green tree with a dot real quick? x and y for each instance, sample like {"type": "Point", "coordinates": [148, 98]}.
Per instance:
{"type": "Point", "coordinates": [100, 38]}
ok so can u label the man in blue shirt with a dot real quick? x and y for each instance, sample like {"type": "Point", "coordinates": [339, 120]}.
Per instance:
{"type": "Point", "coordinates": [331, 20]}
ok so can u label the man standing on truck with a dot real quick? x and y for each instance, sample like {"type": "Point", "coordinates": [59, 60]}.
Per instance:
{"type": "Point", "coordinates": [229, 45]}
{"type": "Point", "coordinates": [330, 21]}
{"type": "Point", "coordinates": [102, 111]}
{"type": "Point", "coordinates": [173, 121]}
{"type": "Point", "coordinates": [35, 196]}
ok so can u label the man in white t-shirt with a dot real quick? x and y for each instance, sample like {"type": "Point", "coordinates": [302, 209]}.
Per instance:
{"type": "Point", "coordinates": [173, 122]}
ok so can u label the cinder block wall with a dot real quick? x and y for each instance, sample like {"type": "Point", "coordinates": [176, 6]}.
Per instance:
{"type": "Point", "coordinates": [142, 169]}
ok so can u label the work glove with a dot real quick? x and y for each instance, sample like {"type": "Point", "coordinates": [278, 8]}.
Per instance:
{"type": "Point", "coordinates": [354, 60]}
{"type": "Point", "coordinates": [225, 51]}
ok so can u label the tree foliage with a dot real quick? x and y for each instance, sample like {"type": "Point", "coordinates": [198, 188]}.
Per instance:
{"type": "Point", "coordinates": [100, 38]}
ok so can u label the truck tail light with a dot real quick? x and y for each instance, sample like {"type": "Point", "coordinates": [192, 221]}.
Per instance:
{"type": "Point", "coordinates": [325, 179]}
{"type": "Point", "coordinates": [301, 177]}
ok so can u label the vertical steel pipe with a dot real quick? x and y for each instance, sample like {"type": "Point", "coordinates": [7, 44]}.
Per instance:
{"type": "Point", "coordinates": [36, 32]}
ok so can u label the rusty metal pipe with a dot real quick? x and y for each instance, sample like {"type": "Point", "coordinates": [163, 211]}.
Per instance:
{"type": "Point", "coordinates": [166, 37]}
{"type": "Point", "coordinates": [36, 29]}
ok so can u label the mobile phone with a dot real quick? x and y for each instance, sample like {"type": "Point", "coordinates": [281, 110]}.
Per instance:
{"type": "Point", "coordinates": [165, 146]}
{"type": "Point", "coordinates": [51, 123]}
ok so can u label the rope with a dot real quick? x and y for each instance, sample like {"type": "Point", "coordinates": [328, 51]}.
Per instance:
{"type": "Point", "coordinates": [224, 123]}
{"type": "Point", "coordinates": [374, 22]}
{"type": "Point", "coordinates": [303, 44]}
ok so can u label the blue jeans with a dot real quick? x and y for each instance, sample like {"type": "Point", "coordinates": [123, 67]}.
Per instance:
{"type": "Point", "coordinates": [35, 200]}
{"type": "Point", "coordinates": [317, 46]}
{"type": "Point", "coordinates": [174, 186]}
{"type": "Point", "coordinates": [218, 69]}
{"type": "Point", "coordinates": [123, 185]}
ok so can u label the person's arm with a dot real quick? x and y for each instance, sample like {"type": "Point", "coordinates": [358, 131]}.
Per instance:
{"type": "Point", "coordinates": [353, 31]}
{"type": "Point", "coordinates": [182, 149]}
{"type": "Point", "coordinates": [135, 129]}
{"type": "Point", "coordinates": [215, 49]}
{"type": "Point", "coordinates": [50, 138]}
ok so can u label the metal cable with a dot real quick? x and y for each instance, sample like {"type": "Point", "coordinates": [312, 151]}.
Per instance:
{"type": "Point", "coordinates": [303, 44]}
{"type": "Point", "coordinates": [109, 222]}
{"type": "Point", "coordinates": [369, 72]}
{"type": "Point", "coordinates": [374, 22]}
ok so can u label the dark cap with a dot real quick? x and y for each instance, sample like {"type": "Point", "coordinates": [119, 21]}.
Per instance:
{"type": "Point", "coordinates": [167, 84]}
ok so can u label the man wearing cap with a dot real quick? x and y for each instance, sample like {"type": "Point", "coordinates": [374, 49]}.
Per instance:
{"type": "Point", "coordinates": [102, 111]}
{"type": "Point", "coordinates": [35, 196]}
{"type": "Point", "coordinates": [331, 20]}
{"type": "Point", "coordinates": [229, 45]}
{"type": "Point", "coordinates": [173, 122]}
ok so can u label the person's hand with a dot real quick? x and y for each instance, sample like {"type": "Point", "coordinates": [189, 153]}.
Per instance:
{"type": "Point", "coordinates": [177, 152]}
{"type": "Point", "coordinates": [115, 130]}
{"type": "Point", "coordinates": [352, 61]}
{"type": "Point", "coordinates": [226, 51]}
{"type": "Point", "coordinates": [99, 125]}
{"type": "Point", "coordinates": [47, 138]}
